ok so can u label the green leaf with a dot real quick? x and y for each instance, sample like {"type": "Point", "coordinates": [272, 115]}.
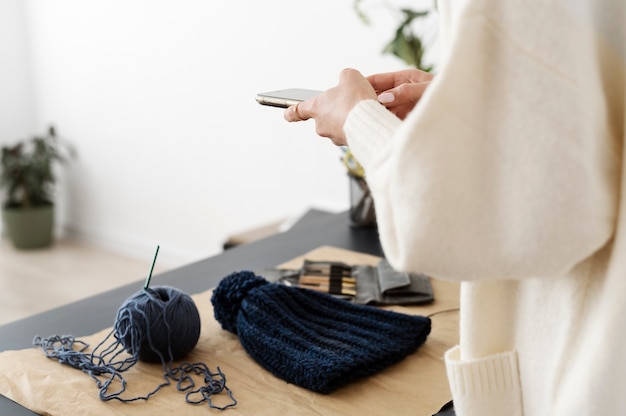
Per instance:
{"type": "Point", "coordinates": [27, 173]}
{"type": "Point", "coordinates": [406, 46]}
{"type": "Point", "coordinates": [411, 15]}
{"type": "Point", "coordinates": [360, 13]}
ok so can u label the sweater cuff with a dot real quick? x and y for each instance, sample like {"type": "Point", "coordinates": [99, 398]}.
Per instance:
{"type": "Point", "coordinates": [369, 128]}
{"type": "Point", "coordinates": [489, 385]}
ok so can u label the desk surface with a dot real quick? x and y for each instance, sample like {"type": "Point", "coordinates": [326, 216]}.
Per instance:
{"type": "Point", "coordinates": [95, 313]}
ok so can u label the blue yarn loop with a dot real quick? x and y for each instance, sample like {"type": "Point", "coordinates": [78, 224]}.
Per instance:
{"type": "Point", "coordinates": [159, 324]}
{"type": "Point", "coordinates": [313, 339]}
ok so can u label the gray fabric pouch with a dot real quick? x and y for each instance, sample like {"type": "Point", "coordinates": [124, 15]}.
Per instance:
{"type": "Point", "coordinates": [369, 285]}
{"type": "Point", "coordinates": [382, 285]}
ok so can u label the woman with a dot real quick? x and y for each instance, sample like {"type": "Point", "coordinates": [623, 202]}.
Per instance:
{"type": "Point", "coordinates": [505, 172]}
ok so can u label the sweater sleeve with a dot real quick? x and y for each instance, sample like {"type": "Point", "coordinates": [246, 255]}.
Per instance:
{"type": "Point", "coordinates": [507, 168]}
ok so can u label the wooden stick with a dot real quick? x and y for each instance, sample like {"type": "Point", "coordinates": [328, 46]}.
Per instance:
{"type": "Point", "coordinates": [326, 289]}
{"type": "Point", "coordinates": [325, 279]}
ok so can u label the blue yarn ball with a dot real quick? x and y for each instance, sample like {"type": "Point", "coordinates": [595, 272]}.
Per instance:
{"type": "Point", "coordinates": [158, 324]}
{"type": "Point", "coordinates": [227, 297]}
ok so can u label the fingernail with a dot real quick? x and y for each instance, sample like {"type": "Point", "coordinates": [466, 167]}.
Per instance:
{"type": "Point", "coordinates": [386, 97]}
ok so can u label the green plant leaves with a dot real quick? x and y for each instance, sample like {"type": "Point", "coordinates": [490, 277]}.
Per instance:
{"type": "Point", "coordinates": [27, 170]}
{"type": "Point", "coordinates": [406, 44]}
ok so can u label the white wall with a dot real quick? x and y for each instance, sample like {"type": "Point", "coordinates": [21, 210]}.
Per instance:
{"type": "Point", "coordinates": [17, 112]}
{"type": "Point", "coordinates": [158, 98]}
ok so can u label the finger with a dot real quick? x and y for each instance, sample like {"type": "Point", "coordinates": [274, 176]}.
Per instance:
{"type": "Point", "coordinates": [405, 94]}
{"type": "Point", "coordinates": [358, 86]}
{"type": "Point", "coordinates": [382, 82]}
{"type": "Point", "coordinates": [294, 113]}
{"type": "Point", "coordinates": [349, 74]}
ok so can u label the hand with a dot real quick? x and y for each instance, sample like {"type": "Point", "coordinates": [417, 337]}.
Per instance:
{"type": "Point", "coordinates": [400, 91]}
{"type": "Point", "coordinates": [331, 108]}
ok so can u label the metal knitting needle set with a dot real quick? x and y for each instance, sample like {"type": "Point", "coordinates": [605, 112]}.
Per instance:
{"type": "Point", "coordinates": [311, 327]}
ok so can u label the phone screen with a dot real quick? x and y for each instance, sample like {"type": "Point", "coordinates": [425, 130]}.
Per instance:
{"type": "Point", "coordinates": [285, 98]}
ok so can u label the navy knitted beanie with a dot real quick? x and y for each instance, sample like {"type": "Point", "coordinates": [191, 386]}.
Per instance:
{"type": "Point", "coordinates": [313, 339]}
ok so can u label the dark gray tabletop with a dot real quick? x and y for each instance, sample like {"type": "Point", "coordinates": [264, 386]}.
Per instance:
{"type": "Point", "coordinates": [98, 312]}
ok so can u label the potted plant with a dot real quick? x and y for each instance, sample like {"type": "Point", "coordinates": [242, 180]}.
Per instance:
{"type": "Point", "coordinates": [27, 177]}
{"type": "Point", "coordinates": [406, 43]}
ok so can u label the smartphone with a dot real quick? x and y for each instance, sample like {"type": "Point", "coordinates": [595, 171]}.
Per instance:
{"type": "Point", "coordinates": [285, 98]}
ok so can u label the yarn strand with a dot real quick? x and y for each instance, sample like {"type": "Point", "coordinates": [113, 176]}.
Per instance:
{"type": "Point", "coordinates": [143, 331]}
{"type": "Point", "coordinates": [70, 351]}
{"type": "Point", "coordinates": [215, 383]}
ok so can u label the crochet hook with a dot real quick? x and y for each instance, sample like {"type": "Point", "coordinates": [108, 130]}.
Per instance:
{"type": "Point", "coordinates": [147, 284]}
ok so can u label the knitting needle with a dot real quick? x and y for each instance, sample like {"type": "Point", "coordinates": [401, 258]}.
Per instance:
{"type": "Point", "coordinates": [145, 286]}
{"type": "Point", "coordinates": [347, 281]}
{"type": "Point", "coordinates": [333, 285]}
{"type": "Point", "coordinates": [328, 270]}
{"type": "Point", "coordinates": [326, 289]}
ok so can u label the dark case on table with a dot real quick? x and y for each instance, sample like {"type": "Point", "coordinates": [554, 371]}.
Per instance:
{"type": "Point", "coordinates": [382, 285]}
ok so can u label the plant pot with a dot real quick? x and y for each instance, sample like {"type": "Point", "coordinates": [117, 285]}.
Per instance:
{"type": "Point", "coordinates": [29, 227]}
{"type": "Point", "coordinates": [362, 213]}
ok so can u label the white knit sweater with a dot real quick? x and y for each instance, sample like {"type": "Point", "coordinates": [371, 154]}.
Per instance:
{"type": "Point", "coordinates": [508, 176]}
